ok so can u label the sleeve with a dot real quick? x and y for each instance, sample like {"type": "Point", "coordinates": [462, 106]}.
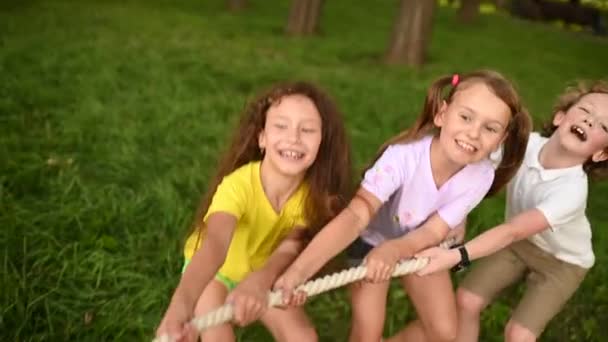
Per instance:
{"type": "Point", "coordinates": [561, 205]}
{"type": "Point", "coordinates": [230, 197]}
{"type": "Point", "coordinates": [387, 174]}
{"type": "Point", "coordinates": [456, 210]}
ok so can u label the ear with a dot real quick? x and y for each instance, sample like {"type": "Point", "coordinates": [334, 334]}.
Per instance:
{"type": "Point", "coordinates": [600, 156]}
{"type": "Point", "coordinates": [439, 117]}
{"type": "Point", "coordinates": [558, 118]}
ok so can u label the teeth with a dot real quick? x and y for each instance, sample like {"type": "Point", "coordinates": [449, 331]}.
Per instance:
{"type": "Point", "coordinates": [291, 154]}
{"type": "Point", "coordinates": [465, 146]}
{"type": "Point", "coordinates": [579, 132]}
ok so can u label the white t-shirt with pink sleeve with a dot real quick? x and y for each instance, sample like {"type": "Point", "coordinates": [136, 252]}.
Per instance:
{"type": "Point", "coordinates": [403, 180]}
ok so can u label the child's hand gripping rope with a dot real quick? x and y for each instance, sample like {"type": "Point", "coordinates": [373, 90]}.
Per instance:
{"type": "Point", "coordinates": [314, 287]}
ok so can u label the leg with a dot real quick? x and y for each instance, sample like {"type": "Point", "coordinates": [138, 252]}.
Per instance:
{"type": "Point", "coordinates": [291, 324]}
{"type": "Point", "coordinates": [469, 306]}
{"type": "Point", "coordinates": [213, 297]}
{"type": "Point", "coordinates": [549, 286]}
{"type": "Point", "coordinates": [481, 285]}
{"type": "Point", "coordinates": [433, 298]}
{"type": "Point", "coordinates": [515, 332]}
{"type": "Point", "coordinates": [368, 311]}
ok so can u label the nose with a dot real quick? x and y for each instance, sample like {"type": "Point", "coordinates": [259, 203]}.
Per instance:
{"type": "Point", "coordinates": [474, 131]}
{"type": "Point", "coordinates": [293, 136]}
{"type": "Point", "coordinates": [589, 121]}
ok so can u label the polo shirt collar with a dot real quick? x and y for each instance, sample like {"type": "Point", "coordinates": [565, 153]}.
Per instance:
{"type": "Point", "coordinates": [532, 160]}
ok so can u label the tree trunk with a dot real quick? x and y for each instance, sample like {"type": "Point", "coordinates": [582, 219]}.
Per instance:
{"type": "Point", "coordinates": [304, 17]}
{"type": "Point", "coordinates": [469, 10]}
{"type": "Point", "coordinates": [236, 5]}
{"type": "Point", "coordinates": [412, 33]}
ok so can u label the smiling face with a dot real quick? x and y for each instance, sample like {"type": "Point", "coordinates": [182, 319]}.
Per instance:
{"type": "Point", "coordinates": [583, 128]}
{"type": "Point", "coordinates": [473, 124]}
{"type": "Point", "coordinates": [292, 135]}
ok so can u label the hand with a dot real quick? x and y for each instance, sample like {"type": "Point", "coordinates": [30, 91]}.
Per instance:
{"type": "Point", "coordinates": [457, 234]}
{"type": "Point", "coordinates": [287, 283]}
{"type": "Point", "coordinates": [250, 298]}
{"type": "Point", "coordinates": [175, 324]}
{"type": "Point", "coordinates": [439, 259]}
{"type": "Point", "coordinates": [381, 261]}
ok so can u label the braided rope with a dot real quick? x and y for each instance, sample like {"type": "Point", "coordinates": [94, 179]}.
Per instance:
{"type": "Point", "coordinates": [329, 282]}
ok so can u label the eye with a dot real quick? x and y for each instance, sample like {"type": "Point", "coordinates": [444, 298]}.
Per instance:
{"type": "Point", "coordinates": [465, 117]}
{"type": "Point", "coordinates": [605, 128]}
{"type": "Point", "coordinates": [280, 125]}
{"type": "Point", "coordinates": [491, 129]}
{"type": "Point", "coordinates": [309, 130]}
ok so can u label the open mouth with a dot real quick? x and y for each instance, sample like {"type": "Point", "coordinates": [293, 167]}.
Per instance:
{"type": "Point", "coordinates": [578, 132]}
{"type": "Point", "coordinates": [290, 154]}
{"type": "Point", "coordinates": [465, 146]}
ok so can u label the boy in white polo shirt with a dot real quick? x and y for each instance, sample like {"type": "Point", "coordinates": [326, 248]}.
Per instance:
{"type": "Point", "coordinates": [547, 235]}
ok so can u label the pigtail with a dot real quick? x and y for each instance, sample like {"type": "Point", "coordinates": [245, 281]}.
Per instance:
{"type": "Point", "coordinates": [424, 123]}
{"type": "Point", "coordinates": [514, 149]}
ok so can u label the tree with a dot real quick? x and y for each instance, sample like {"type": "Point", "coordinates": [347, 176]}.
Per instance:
{"type": "Point", "coordinates": [236, 5]}
{"type": "Point", "coordinates": [469, 10]}
{"type": "Point", "coordinates": [304, 17]}
{"type": "Point", "coordinates": [411, 33]}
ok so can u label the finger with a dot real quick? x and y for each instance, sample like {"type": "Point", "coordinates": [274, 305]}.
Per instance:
{"type": "Point", "coordinates": [299, 298]}
{"type": "Point", "coordinates": [386, 275]}
{"type": "Point", "coordinates": [190, 333]}
{"type": "Point", "coordinates": [239, 310]}
{"type": "Point", "coordinates": [278, 285]}
{"type": "Point", "coordinates": [248, 314]}
{"type": "Point", "coordinates": [422, 272]}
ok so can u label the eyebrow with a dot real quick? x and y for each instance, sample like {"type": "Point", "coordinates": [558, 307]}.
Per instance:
{"type": "Point", "coordinates": [491, 121]}
{"type": "Point", "coordinates": [285, 117]}
{"type": "Point", "coordinates": [593, 111]}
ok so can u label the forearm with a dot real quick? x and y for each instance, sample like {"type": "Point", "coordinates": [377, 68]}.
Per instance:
{"type": "Point", "coordinates": [330, 241]}
{"type": "Point", "coordinates": [491, 241]}
{"type": "Point", "coordinates": [202, 268]}
{"type": "Point", "coordinates": [419, 239]}
{"type": "Point", "coordinates": [279, 261]}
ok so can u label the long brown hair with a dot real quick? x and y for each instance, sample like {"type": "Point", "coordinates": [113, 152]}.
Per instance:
{"type": "Point", "coordinates": [570, 97]}
{"type": "Point", "coordinates": [329, 178]}
{"type": "Point", "coordinates": [518, 131]}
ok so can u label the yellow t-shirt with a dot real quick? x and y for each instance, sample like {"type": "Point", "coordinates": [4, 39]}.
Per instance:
{"type": "Point", "coordinates": [259, 228]}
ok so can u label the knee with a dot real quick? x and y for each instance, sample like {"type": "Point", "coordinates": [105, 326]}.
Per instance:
{"type": "Point", "coordinates": [444, 330]}
{"type": "Point", "coordinates": [469, 303]}
{"type": "Point", "coordinates": [305, 333]}
{"type": "Point", "coordinates": [517, 333]}
{"type": "Point", "coordinates": [366, 329]}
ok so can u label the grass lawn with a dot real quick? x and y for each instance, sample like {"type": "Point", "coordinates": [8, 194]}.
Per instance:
{"type": "Point", "coordinates": [112, 114]}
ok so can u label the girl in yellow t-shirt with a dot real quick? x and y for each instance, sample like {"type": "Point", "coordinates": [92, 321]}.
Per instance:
{"type": "Point", "coordinates": [286, 173]}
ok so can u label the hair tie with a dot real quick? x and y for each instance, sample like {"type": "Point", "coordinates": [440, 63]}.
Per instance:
{"type": "Point", "coordinates": [455, 80]}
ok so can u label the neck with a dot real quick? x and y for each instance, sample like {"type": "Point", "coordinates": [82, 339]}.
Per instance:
{"type": "Point", "coordinates": [277, 186]}
{"type": "Point", "coordinates": [553, 155]}
{"type": "Point", "coordinates": [441, 166]}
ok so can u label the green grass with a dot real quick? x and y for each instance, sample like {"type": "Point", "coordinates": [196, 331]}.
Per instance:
{"type": "Point", "coordinates": [112, 114]}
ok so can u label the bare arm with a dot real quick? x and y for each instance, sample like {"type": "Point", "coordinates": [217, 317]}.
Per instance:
{"type": "Point", "coordinates": [282, 257]}
{"type": "Point", "coordinates": [206, 261]}
{"type": "Point", "coordinates": [518, 228]}
{"type": "Point", "coordinates": [430, 233]}
{"type": "Point", "coordinates": [338, 233]}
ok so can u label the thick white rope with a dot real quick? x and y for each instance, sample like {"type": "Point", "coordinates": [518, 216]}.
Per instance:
{"type": "Point", "coordinates": [314, 287]}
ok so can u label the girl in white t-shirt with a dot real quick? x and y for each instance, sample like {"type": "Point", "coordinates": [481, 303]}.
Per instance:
{"type": "Point", "coordinates": [547, 235]}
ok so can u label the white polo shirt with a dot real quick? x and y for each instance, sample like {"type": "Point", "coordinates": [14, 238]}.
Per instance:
{"type": "Point", "coordinates": [561, 195]}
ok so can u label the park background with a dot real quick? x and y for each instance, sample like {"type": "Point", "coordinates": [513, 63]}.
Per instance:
{"type": "Point", "coordinates": [113, 113]}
